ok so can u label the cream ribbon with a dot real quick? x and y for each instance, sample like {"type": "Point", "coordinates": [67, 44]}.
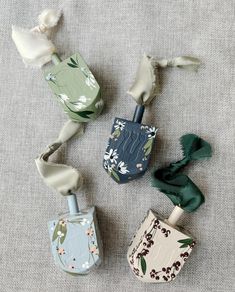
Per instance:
{"type": "Point", "coordinates": [146, 85]}
{"type": "Point", "coordinates": [33, 44]}
{"type": "Point", "coordinates": [63, 178]}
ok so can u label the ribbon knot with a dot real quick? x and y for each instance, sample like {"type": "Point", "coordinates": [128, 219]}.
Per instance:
{"type": "Point", "coordinates": [178, 187]}
{"type": "Point", "coordinates": [146, 84]}
{"type": "Point", "coordinates": [33, 44]}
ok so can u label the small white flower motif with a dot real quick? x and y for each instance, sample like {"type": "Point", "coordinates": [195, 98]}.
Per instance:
{"type": "Point", "coordinates": [85, 221]}
{"type": "Point", "coordinates": [63, 97]}
{"type": "Point", "coordinates": [99, 104]}
{"type": "Point", "coordinates": [86, 265]}
{"type": "Point", "coordinates": [122, 167]}
{"type": "Point", "coordinates": [111, 155]}
{"type": "Point", "coordinates": [50, 77]}
{"type": "Point", "coordinates": [106, 164]}
{"type": "Point", "coordinates": [111, 167]}
{"type": "Point", "coordinates": [139, 166]}
{"type": "Point", "coordinates": [119, 125]}
{"type": "Point", "coordinates": [90, 79]}
{"type": "Point", "coordinates": [60, 234]}
{"type": "Point", "coordinates": [151, 132]}
{"type": "Point", "coordinates": [78, 105]}
{"type": "Point", "coordinates": [83, 98]}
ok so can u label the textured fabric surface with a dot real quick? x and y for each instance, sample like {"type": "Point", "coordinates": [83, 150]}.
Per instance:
{"type": "Point", "coordinates": [112, 36]}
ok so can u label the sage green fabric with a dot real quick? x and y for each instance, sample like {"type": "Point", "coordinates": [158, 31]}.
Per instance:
{"type": "Point", "coordinates": [147, 85]}
{"type": "Point", "coordinates": [179, 188]}
{"type": "Point", "coordinates": [61, 177]}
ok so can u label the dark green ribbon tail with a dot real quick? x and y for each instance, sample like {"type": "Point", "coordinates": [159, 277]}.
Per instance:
{"type": "Point", "coordinates": [178, 187]}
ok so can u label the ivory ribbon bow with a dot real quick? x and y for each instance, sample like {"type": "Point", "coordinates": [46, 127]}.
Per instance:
{"type": "Point", "coordinates": [63, 178]}
{"type": "Point", "coordinates": [146, 85]}
{"type": "Point", "coordinates": [178, 186]}
{"type": "Point", "coordinates": [33, 44]}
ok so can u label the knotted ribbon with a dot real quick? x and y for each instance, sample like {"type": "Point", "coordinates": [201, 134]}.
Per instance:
{"type": "Point", "coordinates": [33, 44]}
{"type": "Point", "coordinates": [178, 187]}
{"type": "Point", "coordinates": [36, 49]}
{"type": "Point", "coordinates": [146, 85]}
{"type": "Point", "coordinates": [63, 178]}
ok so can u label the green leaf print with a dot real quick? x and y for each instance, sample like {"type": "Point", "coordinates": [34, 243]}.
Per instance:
{"type": "Point", "coordinates": [85, 114]}
{"type": "Point", "coordinates": [64, 231]}
{"type": "Point", "coordinates": [115, 175]}
{"type": "Point", "coordinates": [55, 235]}
{"type": "Point", "coordinates": [185, 242]}
{"type": "Point", "coordinates": [73, 61]}
{"type": "Point", "coordinates": [143, 265]}
{"type": "Point", "coordinates": [116, 133]}
{"type": "Point", "coordinates": [148, 147]}
{"type": "Point", "coordinates": [72, 65]}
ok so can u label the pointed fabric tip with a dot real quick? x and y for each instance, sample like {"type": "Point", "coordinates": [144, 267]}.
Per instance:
{"type": "Point", "coordinates": [33, 44]}
{"type": "Point", "coordinates": [178, 187]}
{"type": "Point", "coordinates": [194, 147]}
{"type": "Point", "coordinates": [146, 84]}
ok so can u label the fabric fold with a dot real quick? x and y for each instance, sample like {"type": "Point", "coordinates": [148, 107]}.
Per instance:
{"type": "Point", "coordinates": [63, 178]}
{"type": "Point", "coordinates": [178, 187]}
{"type": "Point", "coordinates": [146, 84]}
{"type": "Point", "coordinates": [34, 44]}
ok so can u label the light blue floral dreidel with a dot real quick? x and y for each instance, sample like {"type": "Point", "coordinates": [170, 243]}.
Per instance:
{"type": "Point", "coordinates": [75, 241]}
{"type": "Point", "coordinates": [160, 247]}
{"type": "Point", "coordinates": [131, 142]}
{"type": "Point", "coordinates": [71, 81]}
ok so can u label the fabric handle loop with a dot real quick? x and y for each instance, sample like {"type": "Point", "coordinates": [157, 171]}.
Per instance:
{"type": "Point", "coordinates": [33, 44]}
{"type": "Point", "coordinates": [63, 178]}
{"type": "Point", "coordinates": [146, 85]}
{"type": "Point", "coordinates": [178, 187]}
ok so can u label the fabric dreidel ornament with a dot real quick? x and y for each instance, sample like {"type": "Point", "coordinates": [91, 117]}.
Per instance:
{"type": "Point", "coordinates": [160, 248]}
{"type": "Point", "coordinates": [130, 144]}
{"type": "Point", "coordinates": [71, 81]}
{"type": "Point", "coordinates": [75, 240]}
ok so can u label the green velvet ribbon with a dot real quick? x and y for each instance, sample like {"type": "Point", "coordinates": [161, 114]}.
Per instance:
{"type": "Point", "coordinates": [178, 187]}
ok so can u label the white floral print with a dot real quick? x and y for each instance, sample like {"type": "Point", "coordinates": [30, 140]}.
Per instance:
{"type": "Point", "coordinates": [122, 168]}
{"type": "Point", "coordinates": [78, 105]}
{"type": "Point", "coordinates": [119, 125]}
{"type": "Point", "coordinates": [50, 77]}
{"type": "Point", "coordinates": [86, 265]}
{"type": "Point", "coordinates": [63, 97]}
{"type": "Point", "coordinates": [90, 79]}
{"type": "Point", "coordinates": [99, 104]}
{"type": "Point", "coordinates": [111, 155]}
{"type": "Point", "coordinates": [60, 234]}
{"type": "Point", "coordinates": [151, 132]}
{"type": "Point", "coordinates": [83, 98]}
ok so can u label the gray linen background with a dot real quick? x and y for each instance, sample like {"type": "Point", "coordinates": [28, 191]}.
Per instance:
{"type": "Point", "coordinates": [112, 36]}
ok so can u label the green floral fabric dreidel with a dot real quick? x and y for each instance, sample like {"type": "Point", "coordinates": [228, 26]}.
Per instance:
{"type": "Point", "coordinates": [75, 241]}
{"type": "Point", "coordinates": [71, 80]}
{"type": "Point", "coordinates": [160, 248]}
{"type": "Point", "coordinates": [130, 144]}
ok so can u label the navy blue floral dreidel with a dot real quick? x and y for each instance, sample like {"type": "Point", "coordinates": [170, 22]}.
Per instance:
{"type": "Point", "coordinates": [160, 247]}
{"type": "Point", "coordinates": [130, 144]}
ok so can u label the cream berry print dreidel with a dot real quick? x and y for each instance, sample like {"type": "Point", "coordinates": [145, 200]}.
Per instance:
{"type": "Point", "coordinates": [160, 247]}
{"type": "Point", "coordinates": [71, 81]}
{"type": "Point", "coordinates": [75, 241]}
{"type": "Point", "coordinates": [131, 142]}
